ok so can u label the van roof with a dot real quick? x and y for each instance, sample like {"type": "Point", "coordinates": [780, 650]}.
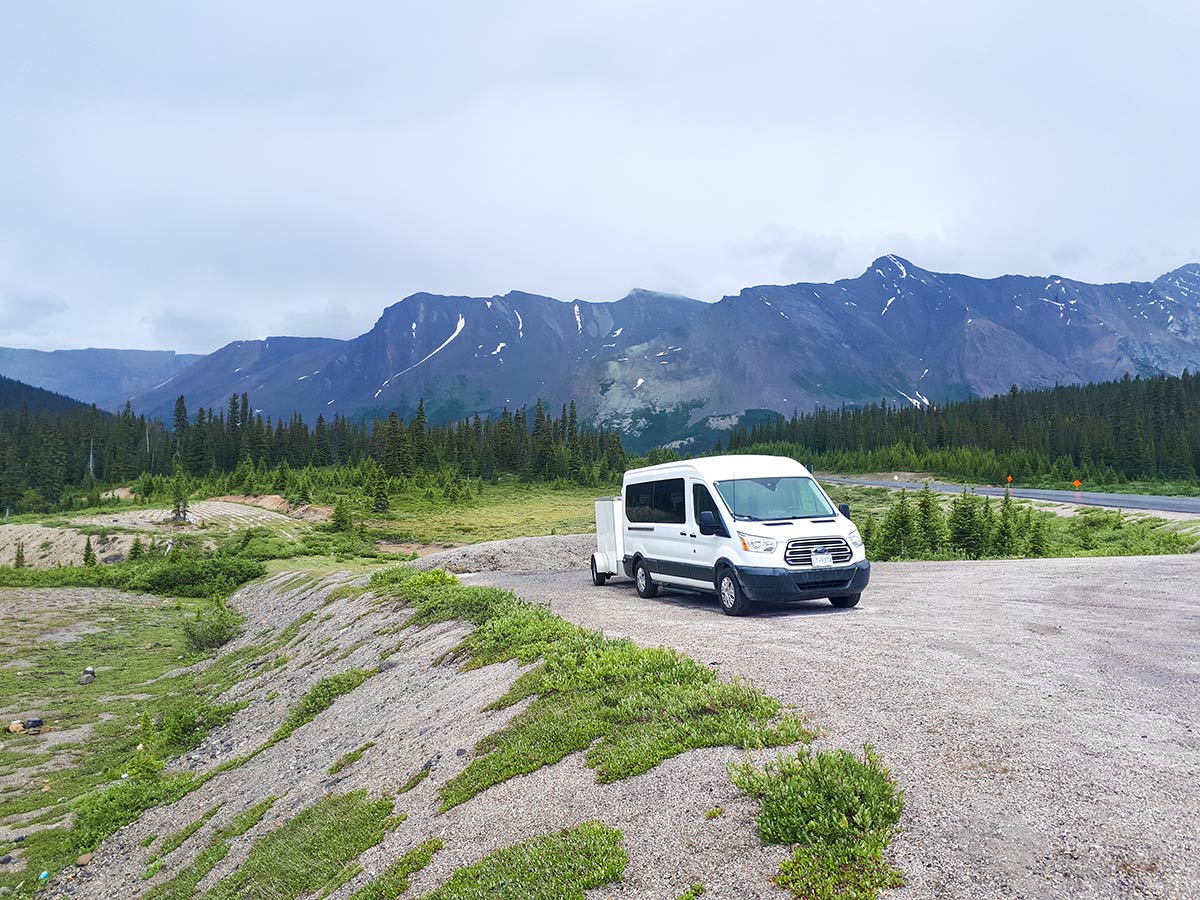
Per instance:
{"type": "Point", "coordinates": [719, 468]}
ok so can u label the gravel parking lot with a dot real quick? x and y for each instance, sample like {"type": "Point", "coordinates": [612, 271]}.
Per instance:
{"type": "Point", "coordinates": [1040, 714]}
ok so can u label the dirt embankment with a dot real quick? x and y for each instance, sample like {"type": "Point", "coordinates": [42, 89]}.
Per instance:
{"type": "Point", "coordinates": [48, 547]}
{"type": "Point", "coordinates": [556, 553]}
{"type": "Point", "coordinates": [422, 711]}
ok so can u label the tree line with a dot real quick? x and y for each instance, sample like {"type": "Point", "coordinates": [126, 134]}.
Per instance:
{"type": "Point", "coordinates": [1128, 430]}
{"type": "Point", "coordinates": [47, 456]}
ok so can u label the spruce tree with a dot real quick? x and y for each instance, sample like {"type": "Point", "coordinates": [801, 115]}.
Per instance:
{"type": "Point", "coordinates": [136, 550]}
{"type": "Point", "coordinates": [898, 535]}
{"type": "Point", "coordinates": [89, 555]}
{"type": "Point", "coordinates": [1037, 535]}
{"type": "Point", "coordinates": [964, 531]}
{"type": "Point", "coordinates": [931, 524]}
{"type": "Point", "coordinates": [19, 560]}
{"type": "Point", "coordinates": [379, 502]}
{"type": "Point", "coordinates": [179, 495]}
{"type": "Point", "coordinates": [1006, 539]}
{"type": "Point", "coordinates": [342, 520]}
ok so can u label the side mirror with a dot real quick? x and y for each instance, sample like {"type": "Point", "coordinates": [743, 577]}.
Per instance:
{"type": "Point", "coordinates": [844, 509]}
{"type": "Point", "coordinates": [708, 523]}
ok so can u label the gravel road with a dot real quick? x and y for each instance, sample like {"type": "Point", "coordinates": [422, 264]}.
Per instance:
{"type": "Point", "coordinates": [1040, 714]}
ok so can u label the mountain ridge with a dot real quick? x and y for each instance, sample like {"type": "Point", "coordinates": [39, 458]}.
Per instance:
{"type": "Point", "coordinates": [665, 368]}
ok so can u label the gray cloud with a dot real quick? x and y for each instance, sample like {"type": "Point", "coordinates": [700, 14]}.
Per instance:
{"type": "Point", "coordinates": [184, 176]}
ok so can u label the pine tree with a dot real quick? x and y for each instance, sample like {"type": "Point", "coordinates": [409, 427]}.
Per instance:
{"type": "Point", "coordinates": [379, 501]}
{"type": "Point", "coordinates": [341, 520]}
{"type": "Point", "coordinates": [19, 560]}
{"type": "Point", "coordinates": [1037, 535]}
{"type": "Point", "coordinates": [931, 524]}
{"type": "Point", "coordinates": [179, 495]}
{"type": "Point", "coordinates": [136, 550]}
{"type": "Point", "coordinates": [89, 555]}
{"type": "Point", "coordinates": [898, 535]}
{"type": "Point", "coordinates": [964, 525]}
{"type": "Point", "coordinates": [1006, 539]}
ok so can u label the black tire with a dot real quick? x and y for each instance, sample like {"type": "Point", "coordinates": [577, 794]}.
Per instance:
{"type": "Point", "coordinates": [645, 584]}
{"type": "Point", "coordinates": [597, 579]}
{"type": "Point", "coordinates": [845, 602]}
{"type": "Point", "coordinates": [730, 595]}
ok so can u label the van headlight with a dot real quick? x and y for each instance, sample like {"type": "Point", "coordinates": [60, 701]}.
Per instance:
{"type": "Point", "coordinates": [855, 539]}
{"type": "Point", "coordinates": [757, 544]}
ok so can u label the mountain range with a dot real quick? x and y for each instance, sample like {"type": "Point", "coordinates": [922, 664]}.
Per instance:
{"type": "Point", "coordinates": [664, 368]}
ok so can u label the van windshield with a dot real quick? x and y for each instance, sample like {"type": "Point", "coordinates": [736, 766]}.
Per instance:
{"type": "Point", "coordinates": [763, 499]}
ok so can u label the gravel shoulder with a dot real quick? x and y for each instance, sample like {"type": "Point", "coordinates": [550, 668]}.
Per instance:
{"type": "Point", "coordinates": [1040, 714]}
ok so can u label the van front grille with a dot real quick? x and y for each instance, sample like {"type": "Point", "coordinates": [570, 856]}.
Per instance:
{"type": "Point", "coordinates": [799, 552]}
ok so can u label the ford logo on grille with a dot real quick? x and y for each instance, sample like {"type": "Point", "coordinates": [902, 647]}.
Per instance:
{"type": "Point", "coordinates": [820, 550]}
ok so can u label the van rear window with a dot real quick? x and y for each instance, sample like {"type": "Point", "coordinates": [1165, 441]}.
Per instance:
{"type": "Point", "coordinates": [656, 501]}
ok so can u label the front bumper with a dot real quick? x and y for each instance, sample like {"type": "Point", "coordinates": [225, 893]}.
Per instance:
{"type": "Point", "coordinates": [763, 583]}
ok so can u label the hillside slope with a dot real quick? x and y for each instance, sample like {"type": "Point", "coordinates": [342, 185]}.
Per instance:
{"type": "Point", "coordinates": [105, 377]}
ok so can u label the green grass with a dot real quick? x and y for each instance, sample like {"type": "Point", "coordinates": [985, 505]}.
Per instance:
{"type": "Point", "coordinates": [715, 813]}
{"type": "Point", "coordinates": [510, 508]}
{"type": "Point", "coordinates": [134, 641]}
{"type": "Point", "coordinates": [394, 880]}
{"type": "Point", "coordinates": [626, 707]}
{"type": "Point", "coordinates": [560, 866]}
{"type": "Point", "coordinates": [319, 698]}
{"type": "Point", "coordinates": [416, 778]}
{"type": "Point", "coordinates": [693, 891]}
{"type": "Point", "coordinates": [183, 885]}
{"type": "Point", "coordinates": [315, 851]}
{"type": "Point", "coordinates": [177, 839]}
{"type": "Point", "coordinates": [837, 811]}
{"type": "Point", "coordinates": [349, 759]}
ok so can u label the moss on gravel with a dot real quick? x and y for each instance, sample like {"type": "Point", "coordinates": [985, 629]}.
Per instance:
{"type": "Point", "coordinates": [559, 866]}
{"type": "Point", "coordinates": [394, 880]}
{"type": "Point", "coordinates": [628, 707]}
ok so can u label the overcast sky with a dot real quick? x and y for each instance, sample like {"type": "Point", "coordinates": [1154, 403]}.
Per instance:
{"type": "Point", "coordinates": [182, 175]}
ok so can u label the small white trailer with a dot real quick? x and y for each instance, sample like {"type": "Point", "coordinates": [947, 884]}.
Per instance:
{"type": "Point", "coordinates": [610, 540]}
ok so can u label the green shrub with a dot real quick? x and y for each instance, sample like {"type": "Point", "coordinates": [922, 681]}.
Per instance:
{"type": "Point", "coordinates": [213, 627]}
{"type": "Point", "coordinates": [100, 813]}
{"type": "Point", "coordinates": [187, 721]}
{"type": "Point", "coordinates": [838, 810]}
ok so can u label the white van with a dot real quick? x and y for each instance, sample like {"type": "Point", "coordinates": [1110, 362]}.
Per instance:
{"type": "Point", "coordinates": [743, 527]}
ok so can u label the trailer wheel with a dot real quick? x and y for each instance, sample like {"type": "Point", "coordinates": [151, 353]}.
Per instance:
{"type": "Point", "coordinates": [598, 579]}
{"type": "Point", "coordinates": [845, 602]}
{"type": "Point", "coordinates": [645, 585]}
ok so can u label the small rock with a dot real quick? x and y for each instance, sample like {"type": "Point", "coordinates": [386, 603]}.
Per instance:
{"type": "Point", "coordinates": [6, 859]}
{"type": "Point", "coordinates": [461, 752]}
{"type": "Point", "coordinates": [386, 664]}
{"type": "Point", "coordinates": [84, 860]}
{"type": "Point", "coordinates": [86, 678]}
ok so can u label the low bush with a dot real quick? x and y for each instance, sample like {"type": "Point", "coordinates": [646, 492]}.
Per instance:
{"type": "Point", "coordinates": [837, 810]}
{"type": "Point", "coordinates": [215, 626]}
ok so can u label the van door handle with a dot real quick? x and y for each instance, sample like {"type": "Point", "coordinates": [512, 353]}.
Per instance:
{"type": "Point", "coordinates": [685, 534]}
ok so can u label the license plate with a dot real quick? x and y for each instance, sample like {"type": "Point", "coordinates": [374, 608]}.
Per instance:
{"type": "Point", "coordinates": [822, 560]}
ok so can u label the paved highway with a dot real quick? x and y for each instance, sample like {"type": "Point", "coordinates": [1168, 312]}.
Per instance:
{"type": "Point", "coordinates": [1187, 505]}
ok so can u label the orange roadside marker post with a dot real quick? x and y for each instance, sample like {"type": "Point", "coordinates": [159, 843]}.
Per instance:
{"type": "Point", "coordinates": [1009, 479]}
{"type": "Point", "coordinates": [1078, 484]}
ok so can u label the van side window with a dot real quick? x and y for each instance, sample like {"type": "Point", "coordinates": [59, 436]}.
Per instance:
{"type": "Point", "coordinates": [656, 501]}
{"type": "Point", "coordinates": [703, 502]}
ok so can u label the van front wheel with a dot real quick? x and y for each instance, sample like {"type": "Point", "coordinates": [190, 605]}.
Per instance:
{"type": "Point", "coordinates": [734, 601]}
{"type": "Point", "coordinates": [598, 579]}
{"type": "Point", "coordinates": [845, 602]}
{"type": "Point", "coordinates": [645, 586]}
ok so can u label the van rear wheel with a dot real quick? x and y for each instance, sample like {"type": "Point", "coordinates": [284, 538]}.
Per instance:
{"type": "Point", "coordinates": [845, 602]}
{"type": "Point", "coordinates": [597, 578]}
{"type": "Point", "coordinates": [645, 585]}
{"type": "Point", "coordinates": [734, 601]}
